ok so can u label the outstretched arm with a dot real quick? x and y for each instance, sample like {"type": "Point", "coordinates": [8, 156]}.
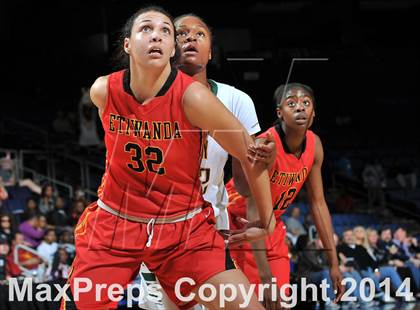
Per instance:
{"type": "Point", "coordinates": [205, 111]}
{"type": "Point", "coordinates": [322, 218]}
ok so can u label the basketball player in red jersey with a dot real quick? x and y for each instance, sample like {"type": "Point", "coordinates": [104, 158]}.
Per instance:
{"type": "Point", "coordinates": [150, 206]}
{"type": "Point", "coordinates": [298, 160]}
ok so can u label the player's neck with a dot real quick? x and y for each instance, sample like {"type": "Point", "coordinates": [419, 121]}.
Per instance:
{"type": "Point", "coordinates": [146, 84]}
{"type": "Point", "coordinates": [202, 78]}
{"type": "Point", "coordinates": [294, 138]}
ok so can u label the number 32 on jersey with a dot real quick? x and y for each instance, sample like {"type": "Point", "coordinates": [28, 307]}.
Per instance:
{"type": "Point", "coordinates": [153, 160]}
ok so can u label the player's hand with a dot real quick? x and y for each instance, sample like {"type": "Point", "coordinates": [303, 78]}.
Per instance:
{"type": "Point", "coordinates": [337, 278]}
{"type": "Point", "coordinates": [268, 302]}
{"type": "Point", "coordinates": [251, 231]}
{"type": "Point", "coordinates": [271, 304]}
{"type": "Point", "coordinates": [263, 150]}
{"type": "Point", "coordinates": [239, 237]}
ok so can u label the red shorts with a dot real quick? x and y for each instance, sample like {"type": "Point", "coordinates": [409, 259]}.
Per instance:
{"type": "Point", "coordinates": [276, 248]}
{"type": "Point", "coordinates": [110, 249]}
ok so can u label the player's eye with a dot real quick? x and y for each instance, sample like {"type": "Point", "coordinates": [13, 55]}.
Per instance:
{"type": "Point", "coordinates": [201, 34]}
{"type": "Point", "coordinates": [166, 30]}
{"type": "Point", "coordinates": [291, 104]}
{"type": "Point", "coordinates": [146, 28]}
{"type": "Point", "coordinates": [306, 103]}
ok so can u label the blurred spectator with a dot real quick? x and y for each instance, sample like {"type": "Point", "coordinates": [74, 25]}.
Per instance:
{"type": "Point", "coordinates": [374, 181]}
{"type": "Point", "coordinates": [353, 252]}
{"type": "Point", "coordinates": [31, 208]}
{"type": "Point", "coordinates": [34, 229]}
{"type": "Point", "coordinates": [400, 240]}
{"type": "Point", "coordinates": [61, 265]}
{"type": "Point", "coordinates": [360, 236]}
{"type": "Point", "coordinates": [360, 260]}
{"type": "Point", "coordinates": [7, 229]}
{"type": "Point", "coordinates": [293, 224]}
{"type": "Point", "coordinates": [67, 242]}
{"type": "Point", "coordinates": [383, 258]}
{"type": "Point", "coordinates": [3, 192]}
{"type": "Point", "coordinates": [312, 263]}
{"type": "Point", "coordinates": [6, 171]}
{"type": "Point", "coordinates": [413, 246]}
{"type": "Point", "coordinates": [398, 253]}
{"type": "Point", "coordinates": [309, 225]}
{"type": "Point", "coordinates": [387, 243]}
{"type": "Point", "coordinates": [381, 269]}
{"type": "Point", "coordinates": [19, 191]}
{"type": "Point", "coordinates": [79, 193]}
{"type": "Point", "coordinates": [349, 271]}
{"type": "Point", "coordinates": [59, 217]}
{"type": "Point", "coordinates": [76, 212]}
{"type": "Point", "coordinates": [405, 172]}
{"type": "Point", "coordinates": [48, 246]}
{"type": "Point", "coordinates": [4, 250]}
{"type": "Point", "coordinates": [88, 118]}
{"type": "Point", "coordinates": [26, 258]}
{"type": "Point", "coordinates": [62, 124]}
{"type": "Point", "coordinates": [386, 235]}
{"type": "Point", "coordinates": [47, 200]}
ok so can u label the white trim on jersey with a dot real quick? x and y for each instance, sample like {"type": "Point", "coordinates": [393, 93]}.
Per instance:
{"type": "Point", "coordinates": [214, 191]}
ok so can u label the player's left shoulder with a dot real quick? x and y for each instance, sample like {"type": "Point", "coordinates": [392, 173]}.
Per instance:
{"type": "Point", "coordinates": [318, 148]}
{"type": "Point", "coordinates": [312, 137]}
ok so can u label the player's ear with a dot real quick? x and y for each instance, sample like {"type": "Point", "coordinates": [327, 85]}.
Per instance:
{"type": "Point", "coordinates": [127, 45]}
{"type": "Point", "coordinates": [279, 114]}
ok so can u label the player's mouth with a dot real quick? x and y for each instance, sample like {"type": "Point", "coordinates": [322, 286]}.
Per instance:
{"type": "Point", "coordinates": [189, 49]}
{"type": "Point", "coordinates": [155, 52]}
{"type": "Point", "coordinates": [301, 118]}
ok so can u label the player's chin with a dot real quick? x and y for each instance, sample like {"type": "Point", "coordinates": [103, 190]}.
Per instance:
{"type": "Point", "coordinates": [299, 124]}
{"type": "Point", "coordinates": [190, 67]}
{"type": "Point", "coordinates": [189, 61]}
{"type": "Point", "coordinates": [158, 62]}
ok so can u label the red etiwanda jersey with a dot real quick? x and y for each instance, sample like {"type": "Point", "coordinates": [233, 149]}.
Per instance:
{"type": "Point", "coordinates": [153, 152]}
{"type": "Point", "coordinates": [286, 176]}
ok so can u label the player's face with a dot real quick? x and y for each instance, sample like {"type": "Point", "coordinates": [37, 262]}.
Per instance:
{"type": "Point", "coordinates": [151, 42]}
{"type": "Point", "coordinates": [297, 109]}
{"type": "Point", "coordinates": [194, 42]}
